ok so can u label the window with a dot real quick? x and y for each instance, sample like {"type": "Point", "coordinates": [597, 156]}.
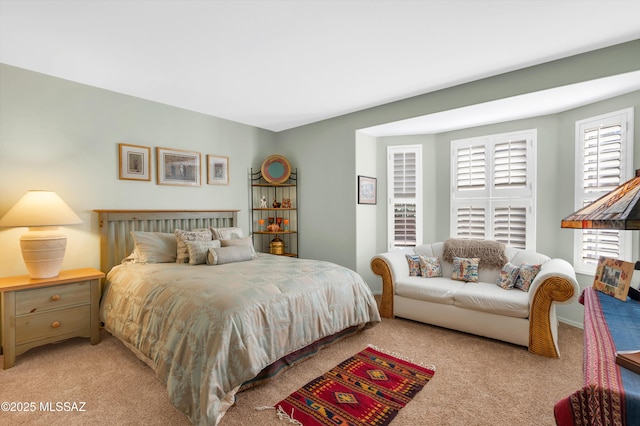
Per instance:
{"type": "Point", "coordinates": [604, 160]}
{"type": "Point", "coordinates": [493, 192]}
{"type": "Point", "coordinates": [404, 177]}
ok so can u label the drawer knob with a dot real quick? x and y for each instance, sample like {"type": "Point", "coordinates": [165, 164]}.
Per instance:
{"type": "Point", "coordinates": [55, 297]}
{"type": "Point", "coordinates": [55, 324]}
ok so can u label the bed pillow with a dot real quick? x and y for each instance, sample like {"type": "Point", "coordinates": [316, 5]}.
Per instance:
{"type": "Point", "coordinates": [198, 250]}
{"type": "Point", "coordinates": [183, 237]}
{"type": "Point", "coordinates": [508, 276]}
{"type": "Point", "coordinates": [153, 247]}
{"type": "Point", "coordinates": [413, 260]}
{"type": "Point", "coordinates": [246, 241]}
{"type": "Point", "coordinates": [227, 233]}
{"type": "Point", "coordinates": [526, 275]}
{"type": "Point", "coordinates": [430, 267]}
{"type": "Point", "coordinates": [465, 269]}
{"type": "Point", "coordinates": [230, 254]}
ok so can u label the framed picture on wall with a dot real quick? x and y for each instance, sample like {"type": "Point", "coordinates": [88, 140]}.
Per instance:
{"type": "Point", "coordinates": [134, 162]}
{"type": "Point", "coordinates": [178, 167]}
{"type": "Point", "coordinates": [613, 277]}
{"type": "Point", "coordinates": [217, 170]}
{"type": "Point", "coordinates": [367, 191]}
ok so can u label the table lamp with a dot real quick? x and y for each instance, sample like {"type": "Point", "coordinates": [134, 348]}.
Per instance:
{"type": "Point", "coordinates": [43, 246]}
{"type": "Point", "coordinates": [618, 209]}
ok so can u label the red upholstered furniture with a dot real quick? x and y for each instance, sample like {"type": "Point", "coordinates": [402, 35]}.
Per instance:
{"type": "Point", "coordinates": [611, 394]}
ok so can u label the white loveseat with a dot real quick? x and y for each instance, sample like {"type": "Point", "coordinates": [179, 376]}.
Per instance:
{"type": "Point", "coordinates": [482, 308]}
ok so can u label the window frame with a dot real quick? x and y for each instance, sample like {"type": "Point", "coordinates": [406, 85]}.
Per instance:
{"type": "Point", "coordinates": [419, 214]}
{"type": "Point", "coordinates": [625, 118]}
{"type": "Point", "coordinates": [490, 196]}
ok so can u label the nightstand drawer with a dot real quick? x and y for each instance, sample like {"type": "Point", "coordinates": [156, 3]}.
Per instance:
{"type": "Point", "coordinates": [54, 297]}
{"type": "Point", "coordinates": [53, 323]}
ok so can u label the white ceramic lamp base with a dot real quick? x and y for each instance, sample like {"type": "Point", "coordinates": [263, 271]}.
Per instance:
{"type": "Point", "coordinates": [43, 251]}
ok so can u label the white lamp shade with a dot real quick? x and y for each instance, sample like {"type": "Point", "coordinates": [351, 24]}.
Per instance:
{"type": "Point", "coordinates": [43, 246]}
{"type": "Point", "coordinates": [40, 208]}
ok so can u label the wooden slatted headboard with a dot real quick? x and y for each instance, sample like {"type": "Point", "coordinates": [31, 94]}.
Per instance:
{"type": "Point", "coordinates": [116, 226]}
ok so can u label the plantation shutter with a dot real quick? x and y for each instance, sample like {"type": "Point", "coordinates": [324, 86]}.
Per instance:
{"type": "Point", "coordinates": [602, 172]}
{"type": "Point", "coordinates": [510, 226]}
{"type": "Point", "coordinates": [404, 196]}
{"type": "Point", "coordinates": [404, 192]}
{"type": "Point", "coordinates": [471, 222]}
{"type": "Point", "coordinates": [471, 168]}
{"type": "Point", "coordinates": [493, 185]}
{"type": "Point", "coordinates": [510, 164]}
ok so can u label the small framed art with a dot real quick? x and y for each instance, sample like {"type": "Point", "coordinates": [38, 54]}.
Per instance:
{"type": "Point", "coordinates": [217, 170]}
{"type": "Point", "coordinates": [134, 162]}
{"type": "Point", "coordinates": [178, 167]}
{"type": "Point", "coordinates": [367, 191]}
{"type": "Point", "coordinates": [613, 277]}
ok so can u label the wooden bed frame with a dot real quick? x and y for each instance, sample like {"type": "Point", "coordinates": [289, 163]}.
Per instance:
{"type": "Point", "coordinates": [116, 226]}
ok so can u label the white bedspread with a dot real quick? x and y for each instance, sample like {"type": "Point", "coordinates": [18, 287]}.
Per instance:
{"type": "Point", "coordinates": [205, 330]}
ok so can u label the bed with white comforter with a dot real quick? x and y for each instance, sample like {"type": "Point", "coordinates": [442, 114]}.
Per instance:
{"type": "Point", "coordinates": [206, 330]}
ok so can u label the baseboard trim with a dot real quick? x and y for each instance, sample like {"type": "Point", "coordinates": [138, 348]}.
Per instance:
{"type": "Point", "coordinates": [573, 323]}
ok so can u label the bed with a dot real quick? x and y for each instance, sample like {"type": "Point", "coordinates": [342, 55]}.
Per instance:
{"type": "Point", "coordinates": [208, 330]}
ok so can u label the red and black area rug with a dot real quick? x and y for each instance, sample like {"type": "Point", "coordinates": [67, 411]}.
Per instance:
{"type": "Point", "coordinates": [369, 389]}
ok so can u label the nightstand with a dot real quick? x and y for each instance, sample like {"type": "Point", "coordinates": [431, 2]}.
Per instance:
{"type": "Point", "coordinates": [34, 312]}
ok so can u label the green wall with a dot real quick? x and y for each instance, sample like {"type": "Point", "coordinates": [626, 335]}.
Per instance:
{"type": "Point", "coordinates": [59, 135]}
{"type": "Point", "coordinates": [64, 136]}
{"type": "Point", "coordinates": [326, 153]}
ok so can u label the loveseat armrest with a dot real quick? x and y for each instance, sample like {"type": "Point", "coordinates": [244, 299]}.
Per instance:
{"type": "Point", "coordinates": [555, 283]}
{"type": "Point", "coordinates": [390, 266]}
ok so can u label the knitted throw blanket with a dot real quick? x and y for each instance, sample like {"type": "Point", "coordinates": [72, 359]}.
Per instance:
{"type": "Point", "coordinates": [492, 254]}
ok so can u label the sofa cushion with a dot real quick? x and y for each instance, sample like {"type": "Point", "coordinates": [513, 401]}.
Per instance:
{"type": "Point", "coordinates": [526, 275]}
{"type": "Point", "coordinates": [413, 260]}
{"type": "Point", "coordinates": [526, 256]}
{"type": "Point", "coordinates": [465, 269]}
{"type": "Point", "coordinates": [508, 276]}
{"type": "Point", "coordinates": [488, 297]}
{"type": "Point", "coordinates": [438, 290]}
{"type": "Point", "coordinates": [430, 267]}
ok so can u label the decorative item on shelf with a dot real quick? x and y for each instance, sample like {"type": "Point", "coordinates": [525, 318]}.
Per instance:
{"type": "Point", "coordinates": [263, 202]}
{"type": "Point", "coordinates": [276, 204]}
{"type": "Point", "coordinates": [261, 224]}
{"type": "Point", "coordinates": [271, 220]}
{"type": "Point", "coordinates": [276, 169]}
{"type": "Point", "coordinates": [274, 227]}
{"type": "Point", "coordinates": [279, 221]}
{"type": "Point", "coordinates": [276, 246]}
{"type": "Point", "coordinates": [43, 246]}
{"type": "Point", "coordinates": [286, 203]}
{"type": "Point", "coordinates": [286, 224]}
{"type": "Point", "coordinates": [619, 209]}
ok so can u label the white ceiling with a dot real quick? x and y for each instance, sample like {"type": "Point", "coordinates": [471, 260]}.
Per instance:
{"type": "Point", "coordinates": [282, 64]}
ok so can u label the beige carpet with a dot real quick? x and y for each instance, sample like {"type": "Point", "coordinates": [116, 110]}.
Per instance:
{"type": "Point", "coordinates": [477, 382]}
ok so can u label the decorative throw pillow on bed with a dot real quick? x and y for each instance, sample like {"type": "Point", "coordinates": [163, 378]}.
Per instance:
{"type": "Point", "coordinates": [231, 254]}
{"type": "Point", "coordinates": [508, 276]}
{"type": "Point", "coordinates": [198, 250]}
{"type": "Point", "coordinates": [226, 233]}
{"type": "Point", "coordinates": [414, 265]}
{"type": "Point", "coordinates": [246, 241]}
{"type": "Point", "coordinates": [182, 237]}
{"type": "Point", "coordinates": [465, 269]}
{"type": "Point", "coordinates": [526, 275]}
{"type": "Point", "coordinates": [153, 247]}
{"type": "Point", "coordinates": [430, 267]}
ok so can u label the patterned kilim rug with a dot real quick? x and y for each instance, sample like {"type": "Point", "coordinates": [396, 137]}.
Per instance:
{"type": "Point", "coordinates": [367, 389]}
